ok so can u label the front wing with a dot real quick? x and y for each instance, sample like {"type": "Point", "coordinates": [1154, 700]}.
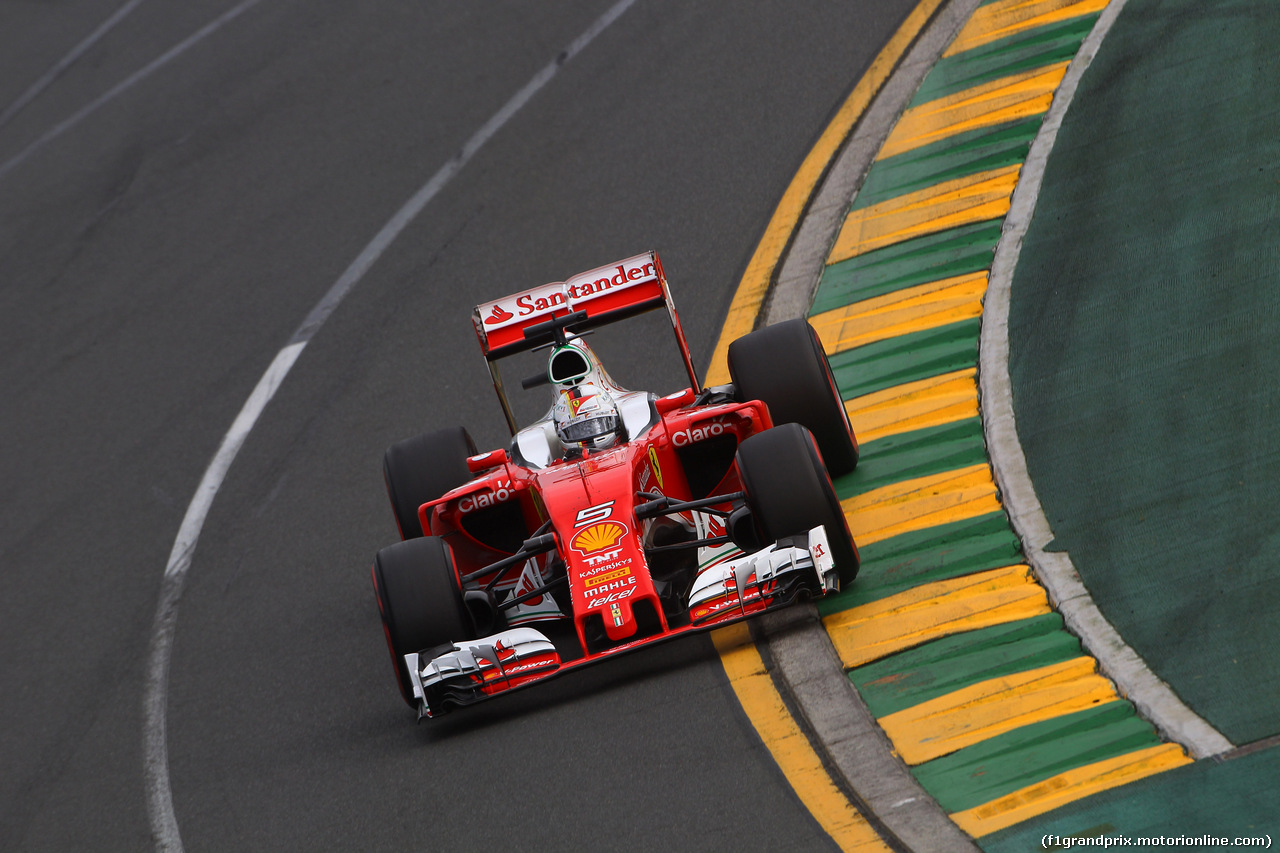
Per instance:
{"type": "Point", "coordinates": [773, 577]}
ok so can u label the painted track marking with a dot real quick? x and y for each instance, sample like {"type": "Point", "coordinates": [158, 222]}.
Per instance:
{"type": "Point", "coordinates": [128, 83]}
{"type": "Point", "coordinates": [160, 811]}
{"type": "Point", "coordinates": [1002, 100]}
{"type": "Point", "coordinates": [899, 803]}
{"type": "Point", "coordinates": [789, 746]}
{"type": "Point", "coordinates": [59, 68]}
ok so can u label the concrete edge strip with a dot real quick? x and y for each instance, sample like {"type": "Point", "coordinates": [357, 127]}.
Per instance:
{"type": "Point", "coordinates": [1153, 698]}
{"type": "Point", "coordinates": [805, 660]}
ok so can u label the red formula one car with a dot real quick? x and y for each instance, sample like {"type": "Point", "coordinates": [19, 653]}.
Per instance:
{"type": "Point", "coordinates": [618, 519]}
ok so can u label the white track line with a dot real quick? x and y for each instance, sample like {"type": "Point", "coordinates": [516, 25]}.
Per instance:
{"type": "Point", "coordinates": [164, 824]}
{"type": "Point", "coordinates": [34, 90]}
{"type": "Point", "coordinates": [1134, 679]}
{"type": "Point", "coordinates": [128, 83]}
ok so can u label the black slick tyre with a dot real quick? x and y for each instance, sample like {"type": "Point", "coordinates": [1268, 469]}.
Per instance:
{"type": "Point", "coordinates": [423, 468]}
{"type": "Point", "coordinates": [790, 492]}
{"type": "Point", "coordinates": [784, 366]}
{"type": "Point", "coordinates": [418, 600]}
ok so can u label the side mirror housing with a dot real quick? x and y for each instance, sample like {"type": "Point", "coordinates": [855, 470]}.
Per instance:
{"type": "Point", "coordinates": [678, 400]}
{"type": "Point", "coordinates": [485, 461]}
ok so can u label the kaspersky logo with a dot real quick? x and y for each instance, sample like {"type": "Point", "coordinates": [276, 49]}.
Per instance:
{"type": "Point", "coordinates": [597, 537]}
{"type": "Point", "coordinates": [498, 315]}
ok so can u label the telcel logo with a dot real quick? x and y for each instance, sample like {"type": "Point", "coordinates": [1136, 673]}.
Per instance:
{"type": "Point", "coordinates": [611, 597]}
{"type": "Point", "coordinates": [697, 433]}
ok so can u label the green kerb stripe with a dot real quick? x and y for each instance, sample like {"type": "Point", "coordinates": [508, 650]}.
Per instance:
{"type": "Point", "coordinates": [944, 666]}
{"type": "Point", "coordinates": [955, 157]}
{"type": "Point", "coordinates": [925, 556]}
{"type": "Point", "coordinates": [1012, 55]}
{"type": "Point", "coordinates": [917, 453]}
{"type": "Point", "coordinates": [1006, 763]}
{"type": "Point", "coordinates": [957, 251]}
{"type": "Point", "coordinates": [907, 358]}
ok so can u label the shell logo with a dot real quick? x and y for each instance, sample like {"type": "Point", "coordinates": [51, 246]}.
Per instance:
{"type": "Point", "coordinates": [597, 537]}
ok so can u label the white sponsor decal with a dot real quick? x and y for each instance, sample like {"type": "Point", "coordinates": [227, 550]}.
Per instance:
{"type": "Point", "coordinates": [599, 512]}
{"type": "Point", "coordinates": [623, 585]}
{"type": "Point", "coordinates": [513, 309]}
{"type": "Point", "coordinates": [610, 558]}
{"type": "Point", "coordinates": [504, 492]}
{"type": "Point", "coordinates": [608, 566]}
{"type": "Point", "coordinates": [560, 296]}
{"type": "Point", "coordinates": [595, 283]}
{"type": "Point", "coordinates": [610, 598]}
{"type": "Point", "coordinates": [700, 432]}
{"type": "Point", "coordinates": [522, 667]}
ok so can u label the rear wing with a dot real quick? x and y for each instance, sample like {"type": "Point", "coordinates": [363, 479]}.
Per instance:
{"type": "Point", "coordinates": [603, 295]}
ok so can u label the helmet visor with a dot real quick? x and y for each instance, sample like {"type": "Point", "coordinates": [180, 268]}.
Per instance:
{"type": "Point", "coordinates": [589, 428]}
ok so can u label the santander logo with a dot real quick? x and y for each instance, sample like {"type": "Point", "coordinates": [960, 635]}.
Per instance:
{"type": "Point", "coordinates": [498, 315]}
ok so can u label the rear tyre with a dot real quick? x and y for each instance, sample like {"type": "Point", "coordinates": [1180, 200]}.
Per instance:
{"type": "Point", "coordinates": [423, 468]}
{"type": "Point", "coordinates": [789, 492]}
{"type": "Point", "coordinates": [418, 599]}
{"type": "Point", "coordinates": [784, 365]}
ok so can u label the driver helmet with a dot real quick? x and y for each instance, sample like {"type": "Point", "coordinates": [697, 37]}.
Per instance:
{"type": "Point", "coordinates": [586, 416]}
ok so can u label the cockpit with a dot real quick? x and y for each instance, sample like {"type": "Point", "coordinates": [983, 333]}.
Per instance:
{"type": "Point", "coordinates": [590, 411]}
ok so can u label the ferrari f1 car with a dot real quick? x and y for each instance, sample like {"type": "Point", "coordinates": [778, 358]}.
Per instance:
{"type": "Point", "coordinates": [618, 519]}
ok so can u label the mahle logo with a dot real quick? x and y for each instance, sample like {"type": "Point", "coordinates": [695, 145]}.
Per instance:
{"type": "Point", "coordinates": [597, 537]}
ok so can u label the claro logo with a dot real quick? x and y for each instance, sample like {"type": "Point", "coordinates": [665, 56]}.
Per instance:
{"type": "Point", "coordinates": [701, 432]}
{"type": "Point", "coordinates": [503, 492]}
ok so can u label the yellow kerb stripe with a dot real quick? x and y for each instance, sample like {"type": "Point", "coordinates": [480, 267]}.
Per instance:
{"type": "Point", "coordinates": [1067, 787]}
{"type": "Point", "coordinates": [748, 298]}
{"type": "Point", "coordinates": [789, 746]}
{"type": "Point", "coordinates": [952, 204]}
{"type": "Point", "coordinates": [1009, 17]}
{"type": "Point", "coordinates": [876, 630]}
{"type": "Point", "coordinates": [914, 309]}
{"type": "Point", "coordinates": [981, 711]}
{"type": "Point", "coordinates": [999, 101]}
{"type": "Point", "coordinates": [915, 405]}
{"type": "Point", "coordinates": [921, 502]}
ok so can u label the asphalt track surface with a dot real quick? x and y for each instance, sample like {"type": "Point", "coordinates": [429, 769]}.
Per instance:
{"type": "Point", "coordinates": [156, 255]}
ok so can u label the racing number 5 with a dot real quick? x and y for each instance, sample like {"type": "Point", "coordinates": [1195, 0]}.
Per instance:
{"type": "Point", "coordinates": [599, 512]}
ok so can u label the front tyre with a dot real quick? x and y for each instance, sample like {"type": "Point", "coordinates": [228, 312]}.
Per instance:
{"type": "Point", "coordinates": [789, 492]}
{"type": "Point", "coordinates": [418, 598]}
{"type": "Point", "coordinates": [423, 468]}
{"type": "Point", "coordinates": [784, 366]}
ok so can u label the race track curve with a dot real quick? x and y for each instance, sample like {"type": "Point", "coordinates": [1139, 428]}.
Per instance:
{"type": "Point", "coordinates": [155, 254]}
